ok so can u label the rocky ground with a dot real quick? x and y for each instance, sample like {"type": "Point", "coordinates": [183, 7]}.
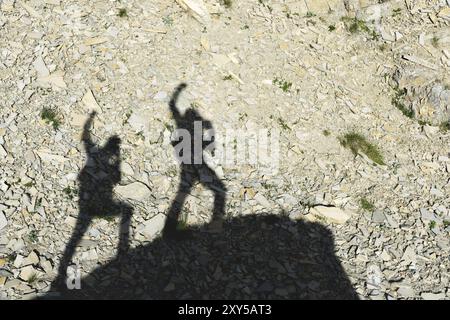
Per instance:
{"type": "Point", "coordinates": [313, 70]}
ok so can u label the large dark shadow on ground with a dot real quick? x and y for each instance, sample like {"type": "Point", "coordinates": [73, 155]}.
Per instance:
{"type": "Point", "coordinates": [254, 257]}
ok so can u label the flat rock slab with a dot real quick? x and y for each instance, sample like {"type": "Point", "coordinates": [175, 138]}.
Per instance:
{"type": "Point", "coordinates": [332, 214]}
{"type": "Point", "coordinates": [134, 191]}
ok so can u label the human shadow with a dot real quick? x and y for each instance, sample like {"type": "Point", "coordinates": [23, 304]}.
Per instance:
{"type": "Point", "coordinates": [192, 138]}
{"type": "Point", "coordinates": [96, 182]}
{"type": "Point", "coordinates": [266, 256]}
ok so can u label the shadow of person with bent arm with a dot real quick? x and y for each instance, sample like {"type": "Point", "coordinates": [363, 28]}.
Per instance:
{"type": "Point", "coordinates": [96, 182]}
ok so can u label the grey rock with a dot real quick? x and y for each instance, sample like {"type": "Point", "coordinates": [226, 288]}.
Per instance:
{"type": "Point", "coordinates": [378, 216]}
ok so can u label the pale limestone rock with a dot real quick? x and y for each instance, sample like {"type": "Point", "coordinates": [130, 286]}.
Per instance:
{"type": "Point", "coordinates": [332, 214]}
{"type": "Point", "coordinates": [134, 191]}
{"type": "Point", "coordinates": [90, 103]}
{"type": "Point", "coordinates": [3, 221]}
{"type": "Point", "coordinates": [152, 227]}
{"type": "Point", "coordinates": [27, 273]}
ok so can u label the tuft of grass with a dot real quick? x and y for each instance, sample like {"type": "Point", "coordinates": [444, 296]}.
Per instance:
{"type": "Point", "coordinates": [310, 14]}
{"type": "Point", "coordinates": [331, 27]}
{"type": "Point", "coordinates": [50, 116]}
{"type": "Point", "coordinates": [366, 205]}
{"type": "Point", "coordinates": [396, 12]}
{"type": "Point", "coordinates": [283, 124]}
{"type": "Point", "coordinates": [228, 77]}
{"type": "Point", "coordinates": [282, 84]}
{"type": "Point", "coordinates": [435, 42]}
{"type": "Point", "coordinates": [11, 257]}
{"type": "Point", "coordinates": [70, 192]}
{"type": "Point", "coordinates": [32, 236]}
{"type": "Point", "coordinates": [122, 13]}
{"type": "Point", "coordinates": [29, 184]}
{"type": "Point", "coordinates": [227, 3]}
{"type": "Point", "coordinates": [182, 224]}
{"type": "Point", "coordinates": [445, 126]}
{"type": "Point", "coordinates": [358, 143]}
{"type": "Point", "coordinates": [424, 123]}
{"type": "Point", "coordinates": [168, 21]}
{"type": "Point", "coordinates": [326, 133]}
{"type": "Point", "coordinates": [32, 279]}
{"type": "Point", "coordinates": [397, 101]}
{"type": "Point", "coordinates": [432, 224]}
{"type": "Point", "coordinates": [354, 25]}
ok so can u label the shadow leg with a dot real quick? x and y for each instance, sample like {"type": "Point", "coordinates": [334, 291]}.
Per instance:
{"type": "Point", "coordinates": [124, 231]}
{"type": "Point", "coordinates": [184, 188]}
{"type": "Point", "coordinates": [214, 184]}
{"type": "Point", "coordinates": [82, 225]}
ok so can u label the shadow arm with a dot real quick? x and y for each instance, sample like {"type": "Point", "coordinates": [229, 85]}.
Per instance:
{"type": "Point", "coordinates": [174, 99]}
{"type": "Point", "coordinates": [86, 137]}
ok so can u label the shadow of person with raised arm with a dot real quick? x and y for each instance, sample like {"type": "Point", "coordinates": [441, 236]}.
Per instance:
{"type": "Point", "coordinates": [96, 182]}
{"type": "Point", "coordinates": [197, 136]}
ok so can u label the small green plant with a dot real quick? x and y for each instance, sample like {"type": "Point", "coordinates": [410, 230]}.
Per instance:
{"type": "Point", "coordinates": [424, 123]}
{"type": "Point", "coordinates": [446, 223]}
{"type": "Point", "coordinates": [122, 13]}
{"type": "Point", "coordinates": [354, 25]}
{"type": "Point", "coordinates": [445, 126]}
{"type": "Point", "coordinates": [435, 42]}
{"type": "Point", "coordinates": [108, 217]}
{"type": "Point", "coordinates": [11, 257]}
{"type": "Point", "coordinates": [242, 116]}
{"type": "Point", "coordinates": [195, 105]}
{"type": "Point", "coordinates": [326, 133]}
{"type": "Point", "coordinates": [168, 21]}
{"type": "Point", "coordinates": [358, 143]}
{"type": "Point", "coordinates": [432, 224]}
{"type": "Point", "coordinates": [396, 12]}
{"type": "Point", "coordinates": [366, 205]}
{"type": "Point", "coordinates": [29, 184]}
{"type": "Point", "coordinates": [70, 192]}
{"type": "Point", "coordinates": [127, 116]}
{"type": "Point", "coordinates": [283, 124]}
{"type": "Point", "coordinates": [397, 101]}
{"type": "Point", "coordinates": [32, 236]}
{"type": "Point", "coordinates": [331, 27]}
{"type": "Point", "coordinates": [227, 3]}
{"type": "Point", "coordinates": [182, 223]}
{"type": "Point", "coordinates": [310, 14]}
{"type": "Point", "coordinates": [282, 84]}
{"type": "Point", "coordinates": [32, 279]}
{"type": "Point", "coordinates": [228, 77]}
{"type": "Point", "coordinates": [50, 116]}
